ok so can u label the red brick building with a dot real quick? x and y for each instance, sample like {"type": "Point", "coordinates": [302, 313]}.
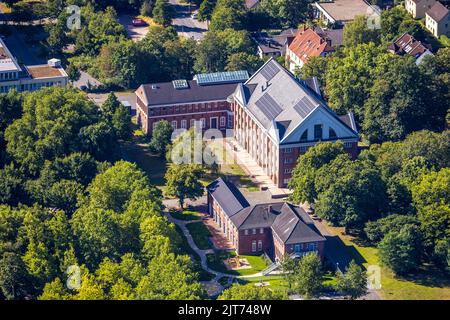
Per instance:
{"type": "Point", "coordinates": [278, 117]}
{"type": "Point", "coordinates": [182, 102]}
{"type": "Point", "coordinates": [277, 229]}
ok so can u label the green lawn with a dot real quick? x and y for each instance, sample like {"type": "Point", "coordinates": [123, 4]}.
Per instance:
{"type": "Point", "coordinates": [200, 235]}
{"type": "Point", "coordinates": [274, 282]}
{"type": "Point", "coordinates": [215, 262]}
{"type": "Point", "coordinates": [427, 284]}
{"type": "Point", "coordinates": [186, 215]}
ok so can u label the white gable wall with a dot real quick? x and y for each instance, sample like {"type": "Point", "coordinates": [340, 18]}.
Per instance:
{"type": "Point", "coordinates": [319, 116]}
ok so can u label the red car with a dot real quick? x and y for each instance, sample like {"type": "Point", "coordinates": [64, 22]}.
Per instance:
{"type": "Point", "coordinates": [138, 22]}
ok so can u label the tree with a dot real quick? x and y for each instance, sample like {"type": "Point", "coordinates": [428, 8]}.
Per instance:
{"type": "Point", "coordinates": [228, 14]}
{"type": "Point", "coordinates": [54, 290]}
{"type": "Point", "coordinates": [353, 283]}
{"type": "Point", "coordinates": [397, 104]}
{"type": "Point", "coordinates": [13, 276]}
{"type": "Point", "coordinates": [161, 137]}
{"type": "Point", "coordinates": [183, 182]}
{"type": "Point", "coordinates": [357, 32]}
{"type": "Point", "coordinates": [376, 230]}
{"type": "Point", "coordinates": [251, 292]}
{"type": "Point", "coordinates": [288, 267]}
{"type": "Point", "coordinates": [401, 251]}
{"type": "Point", "coordinates": [304, 174]}
{"type": "Point", "coordinates": [243, 61]}
{"type": "Point", "coordinates": [147, 8]}
{"type": "Point", "coordinates": [308, 280]}
{"type": "Point", "coordinates": [206, 9]}
{"type": "Point", "coordinates": [289, 13]}
{"type": "Point", "coordinates": [163, 12]}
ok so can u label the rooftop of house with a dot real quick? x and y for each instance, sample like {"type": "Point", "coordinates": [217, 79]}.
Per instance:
{"type": "Point", "coordinates": [250, 4]}
{"type": "Point", "coordinates": [204, 87]}
{"type": "Point", "coordinates": [7, 61]}
{"type": "Point", "coordinates": [279, 101]}
{"type": "Point", "coordinates": [308, 44]}
{"type": "Point", "coordinates": [291, 223]}
{"type": "Point", "coordinates": [45, 71]}
{"type": "Point", "coordinates": [407, 44]}
{"type": "Point", "coordinates": [274, 43]}
{"type": "Point", "coordinates": [345, 10]}
{"type": "Point", "coordinates": [438, 12]}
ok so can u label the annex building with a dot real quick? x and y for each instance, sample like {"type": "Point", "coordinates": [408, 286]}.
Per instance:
{"type": "Point", "coordinates": [28, 78]}
{"type": "Point", "coordinates": [276, 229]}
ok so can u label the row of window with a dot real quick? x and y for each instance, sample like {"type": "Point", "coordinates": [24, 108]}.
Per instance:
{"type": "Point", "coordinates": [202, 121]}
{"type": "Point", "coordinates": [29, 86]}
{"type": "Point", "coordinates": [9, 76]}
{"type": "Point", "coordinates": [318, 133]}
{"type": "Point", "coordinates": [254, 231]}
{"type": "Point", "coordinates": [186, 108]}
{"type": "Point", "coordinates": [303, 149]}
{"type": "Point", "coordinates": [305, 246]}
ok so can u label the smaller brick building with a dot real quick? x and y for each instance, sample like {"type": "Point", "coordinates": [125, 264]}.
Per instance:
{"type": "Point", "coordinates": [277, 229]}
{"type": "Point", "coordinates": [183, 102]}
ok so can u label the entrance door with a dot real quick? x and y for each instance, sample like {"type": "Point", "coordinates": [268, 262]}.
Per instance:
{"type": "Point", "coordinates": [214, 123]}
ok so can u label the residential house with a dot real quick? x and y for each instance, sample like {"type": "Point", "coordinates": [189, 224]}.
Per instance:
{"type": "Point", "coordinates": [277, 118]}
{"type": "Point", "coordinates": [183, 102]}
{"type": "Point", "coordinates": [339, 12]}
{"type": "Point", "coordinates": [308, 43]}
{"type": "Point", "coordinates": [28, 78]}
{"type": "Point", "coordinates": [417, 8]}
{"type": "Point", "coordinates": [276, 229]}
{"type": "Point", "coordinates": [437, 20]}
{"type": "Point", "coordinates": [273, 45]}
{"type": "Point", "coordinates": [407, 44]}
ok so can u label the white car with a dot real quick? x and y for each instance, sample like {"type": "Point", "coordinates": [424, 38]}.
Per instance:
{"type": "Point", "coordinates": [194, 15]}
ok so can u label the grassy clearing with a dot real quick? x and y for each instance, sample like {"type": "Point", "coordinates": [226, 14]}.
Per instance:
{"type": "Point", "coordinates": [215, 262]}
{"type": "Point", "coordinates": [427, 284]}
{"type": "Point", "coordinates": [186, 215]}
{"type": "Point", "coordinates": [200, 234]}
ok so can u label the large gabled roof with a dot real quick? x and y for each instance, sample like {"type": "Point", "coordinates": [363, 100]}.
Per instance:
{"type": "Point", "coordinates": [227, 196]}
{"type": "Point", "coordinates": [294, 225]}
{"type": "Point", "coordinates": [277, 100]}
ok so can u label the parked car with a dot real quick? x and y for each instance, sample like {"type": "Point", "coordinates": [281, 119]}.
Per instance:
{"type": "Point", "coordinates": [194, 15]}
{"type": "Point", "coordinates": [137, 22]}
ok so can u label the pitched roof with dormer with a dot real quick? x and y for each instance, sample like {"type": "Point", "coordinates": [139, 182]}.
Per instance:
{"type": "Point", "coordinates": [308, 44]}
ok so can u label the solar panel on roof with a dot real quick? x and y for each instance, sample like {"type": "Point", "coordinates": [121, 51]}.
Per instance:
{"type": "Point", "coordinates": [270, 70]}
{"type": "Point", "coordinates": [304, 106]}
{"type": "Point", "coordinates": [221, 77]}
{"type": "Point", "coordinates": [268, 106]}
{"type": "Point", "coordinates": [180, 84]}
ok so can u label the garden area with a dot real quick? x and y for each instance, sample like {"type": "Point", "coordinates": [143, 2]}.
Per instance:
{"type": "Point", "coordinates": [200, 234]}
{"type": "Point", "coordinates": [186, 215]}
{"type": "Point", "coordinates": [255, 263]}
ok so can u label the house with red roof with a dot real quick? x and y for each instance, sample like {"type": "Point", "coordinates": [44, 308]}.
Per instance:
{"type": "Point", "coordinates": [307, 44]}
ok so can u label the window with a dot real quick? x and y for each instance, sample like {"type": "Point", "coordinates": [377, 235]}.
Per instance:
{"type": "Point", "coordinates": [174, 124]}
{"type": "Point", "coordinates": [192, 122]}
{"type": "Point", "coordinates": [246, 232]}
{"type": "Point", "coordinates": [223, 121]}
{"type": "Point", "coordinates": [261, 230]}
{"type": "Point", "coordinates": [184, 124]}
{"type": "Point", "coordinates": [297, 248]}
{"type": "Point", "coordinates": [230, 121]}
{"type": "Point", "coordinates": [154, 124]}
{"type": "Point", "coordinates": [286, 181]}
{"type": "Point", "coordinates": [288, 160]}
{"type": "Point", "coordinates": [254, 246]}
{"type": "Point", "coordinates": [332, 134]}
{"type": "Point", "coordinates": [303, 149]}
{"type": "Point", "coordinates": [203, 122]}
{"type": "Point", "coordinates": [259, 245]}
{"type": "Point", "coordinates": [318, 132]}
{"type": "Point", "coordinates": [348, 145]}
{"type": "Point", "coordinates": [312, 246]}
{"type": "Point", "coordinates": [288, 150]}
{"type": "Point", "coordinates": [304, 136]}
{"type": "Point", "coordinates": [287, 171]}
{"type": "Point", "coordinates": [253, 231]}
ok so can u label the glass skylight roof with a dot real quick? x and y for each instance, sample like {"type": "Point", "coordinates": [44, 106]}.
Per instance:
{"type": "Point", "coordinates": [221, 77]}
{"type": "Point", "coordinates": [180, 84]}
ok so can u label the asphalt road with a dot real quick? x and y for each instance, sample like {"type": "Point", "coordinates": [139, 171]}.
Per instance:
{"type": "Point", "coordinates": [184, 24]}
